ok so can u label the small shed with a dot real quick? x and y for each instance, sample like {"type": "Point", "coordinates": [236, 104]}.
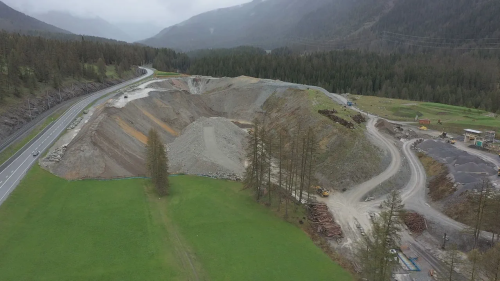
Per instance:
{"type": "Point", "coordinates": [424, 121]}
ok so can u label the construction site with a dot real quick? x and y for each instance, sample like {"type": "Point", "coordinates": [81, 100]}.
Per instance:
{"type": "Point", "coordinates": [204, 122]}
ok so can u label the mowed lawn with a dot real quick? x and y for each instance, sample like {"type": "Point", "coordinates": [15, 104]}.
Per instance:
{"type": "Point", "coordinates": [52, 229]}
{"type": "Point", "coordinates": [237, 239]}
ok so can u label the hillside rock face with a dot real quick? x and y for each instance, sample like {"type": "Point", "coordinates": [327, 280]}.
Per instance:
{"type": "Point", "coordinates": [197, 118]}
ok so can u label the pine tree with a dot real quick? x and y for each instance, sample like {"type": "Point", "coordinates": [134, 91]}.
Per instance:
{"type": "Point", "coordinates": [374, 251]}
{"type": "Point", "coordinates": [157, 162]}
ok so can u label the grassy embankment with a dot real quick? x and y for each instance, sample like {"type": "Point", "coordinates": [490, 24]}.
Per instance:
{"type": "Point", "coordinates": [163, 74]}
{"type": "Point", "coordinates": [119, 230]}
{"type": "Point", "coordinates": [454, 118]}
{"type": "Point", "coordinates": [349, 145]}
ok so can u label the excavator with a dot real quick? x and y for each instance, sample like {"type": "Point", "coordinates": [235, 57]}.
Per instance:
{"type": "Point", "coordinates": [322, 191]}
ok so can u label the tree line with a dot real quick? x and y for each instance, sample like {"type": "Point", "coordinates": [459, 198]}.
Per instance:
{"type": "Point", "coordinates": [281, 163]}
{"type": "Point", "coordinates": [462, 79]}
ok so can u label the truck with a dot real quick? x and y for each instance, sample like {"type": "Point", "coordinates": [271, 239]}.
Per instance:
{"type": "Point", "coordinates": [349, 103]}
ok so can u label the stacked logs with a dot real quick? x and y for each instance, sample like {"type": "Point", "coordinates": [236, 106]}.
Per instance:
{"type": "Point", "coordinates": [359, 118]}
{"type": "Point", "coordinates": [415, 222]}
{"type": "Point", "coordinates": [323, 221]}
{"type": "Point", "coordinates": [330, 114]}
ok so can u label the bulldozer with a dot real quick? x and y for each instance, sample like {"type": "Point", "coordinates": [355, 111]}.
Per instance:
{"type": "Point", "coordinates": [423, 128]}
{"type": "Point", "coordinates": [322, 191]}
{"type": "Point", "coordinates": [451, 140]}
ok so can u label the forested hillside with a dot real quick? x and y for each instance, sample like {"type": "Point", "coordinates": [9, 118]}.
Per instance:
{"type": "Point", "coordinates": [28, 62]}
{"type": "Point", "coordinates": [465, 79]}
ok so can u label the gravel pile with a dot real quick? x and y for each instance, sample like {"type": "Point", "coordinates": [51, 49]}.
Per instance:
{"type": "Point", "coordinates": [56, 155]}
{"type": "Point", "coordinates": [212, 147]}
{"type": "Point", "coordinates": [75, 123]}
{"type": "Point", "coordinates": [466, 169]}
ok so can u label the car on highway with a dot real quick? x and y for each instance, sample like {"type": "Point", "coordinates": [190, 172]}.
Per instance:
{"type": "Point", "coordinates": [36, 153]}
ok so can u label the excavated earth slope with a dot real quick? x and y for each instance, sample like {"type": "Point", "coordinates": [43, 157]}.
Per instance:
{"type": "Point", "coordinates": [193, 116]}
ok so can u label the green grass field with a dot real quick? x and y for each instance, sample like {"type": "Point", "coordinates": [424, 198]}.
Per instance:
{"type": "Point", "coordinates": [52, 229]}
{"type": "Point", "coordinates": [238, 239]}
{"type": "Point", "coordinates": [163, 73]}
{"type": "Point", "coordinates": [454, 118]}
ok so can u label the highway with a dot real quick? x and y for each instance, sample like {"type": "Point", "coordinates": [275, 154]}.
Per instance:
{"type": "Point", "coordinates": [16, 170]}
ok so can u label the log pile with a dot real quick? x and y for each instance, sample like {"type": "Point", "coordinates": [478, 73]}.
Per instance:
{"type": "Point", "coordinates": [359, 118]}
{"type": "Point", "coordinates": [323, 221]}
{"type": "Point", "coordinates": [330, 114]}
{"type": "Point", "coordinates": [415, 222]}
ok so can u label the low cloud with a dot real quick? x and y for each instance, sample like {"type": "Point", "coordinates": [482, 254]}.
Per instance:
{"type": "Point", "coordinates": [160, 12]}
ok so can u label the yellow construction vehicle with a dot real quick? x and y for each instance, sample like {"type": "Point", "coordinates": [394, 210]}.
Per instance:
{"type": "Point", "coordinates": [322, 191]}
{"type": "Point", "coordinates": [423, 128]}
{"type": "Point", "coordinates": [451, 140]}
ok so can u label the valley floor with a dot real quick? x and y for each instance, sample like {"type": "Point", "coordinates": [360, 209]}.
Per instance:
{"type": "Point", "coordinates": [53, 229]}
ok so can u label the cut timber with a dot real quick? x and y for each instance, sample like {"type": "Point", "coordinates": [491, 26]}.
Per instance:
{"type": "Point", "coordinates": [415, 222]}
{"type": "Point", "coordinates": [323, 221]}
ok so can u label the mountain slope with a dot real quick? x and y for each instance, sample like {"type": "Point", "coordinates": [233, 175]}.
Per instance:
{"type": "Point", "coordinates": [335, 23]}
{"type": "Point", "coordinates": [85, 26]}
{"type": "Point", "coordinates": [14, 21]}
{"type": "Point", "coordinates": [459, 19]}
{"type": "Point", "coordinates": [257, 23]}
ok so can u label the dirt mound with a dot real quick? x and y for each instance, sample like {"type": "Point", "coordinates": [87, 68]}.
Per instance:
{"type": "Point", "coordinates": [386, 127]}
{"type": "Point", "coordinates": [441, 186]}
{"type": "Point", "coordinates": [209, 146]}
{"type": "Point", "coordinates": [112, 142]}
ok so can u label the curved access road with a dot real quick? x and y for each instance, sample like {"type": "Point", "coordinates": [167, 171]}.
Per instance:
{"type": "Point", "coordinates": [16, 170]}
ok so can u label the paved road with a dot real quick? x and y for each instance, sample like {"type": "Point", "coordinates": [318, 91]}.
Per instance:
{"type": "Point", "coordinates": [12, 174]}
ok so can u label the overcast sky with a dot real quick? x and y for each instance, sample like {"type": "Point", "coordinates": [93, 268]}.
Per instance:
{"type": "Point", "coordinates": [162, 12]}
